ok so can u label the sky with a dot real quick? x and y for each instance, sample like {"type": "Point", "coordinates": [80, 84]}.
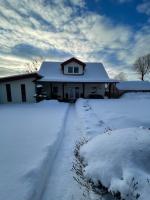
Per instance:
{"type": "Point", "coordinates": [114, 32]}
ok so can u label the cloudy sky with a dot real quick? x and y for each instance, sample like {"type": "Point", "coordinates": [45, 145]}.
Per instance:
{"type": "Point", "coordinates": [114, 32]}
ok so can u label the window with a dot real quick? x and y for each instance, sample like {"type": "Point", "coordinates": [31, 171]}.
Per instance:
{"type": "Point", "coordinates": [70, 70]}
{"type": "Point", "coordinates": [23, 92]}
{"type": "Point", "coordinates": [76, 70]}
{"type": "Point", "coordinates": [73, 70]}
{"type": "Point", "coordinates": [94, 90]}
{"type": "Point", "coordinates": [8, 91]}
{"type": "Point", "coordinates": [55, 90]}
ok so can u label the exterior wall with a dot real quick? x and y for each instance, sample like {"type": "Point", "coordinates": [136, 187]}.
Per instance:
{"type": "Point", "coordinates": [16, 91]}
{"type": "Point", "coordinates": [73, 64]}
{"type": "Point", "coordinates": [89, 89]}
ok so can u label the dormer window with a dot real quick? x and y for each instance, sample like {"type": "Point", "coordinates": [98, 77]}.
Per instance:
{"type": "Point", "coordinates": [73, 66]}
{"type": "Point", "coordinates": [76, 70]}
{"type": "Point", "coordinates": [73, 70]}
{"type": "Point", "coordinates": [70, 70]}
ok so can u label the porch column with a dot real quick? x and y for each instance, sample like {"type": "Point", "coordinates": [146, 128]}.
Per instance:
{"type": "Point", "coordinates": [83, 85]}
{"type": "Point", "coordinates": [109, 90]}
{"type": "Point", "coordinates": [63, 90]}
{"type": "Point", "coordinates": [51, 90]}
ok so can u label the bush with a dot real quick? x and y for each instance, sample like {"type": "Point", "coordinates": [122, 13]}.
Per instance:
{"type": "Point", "coordinates": [97, 188]}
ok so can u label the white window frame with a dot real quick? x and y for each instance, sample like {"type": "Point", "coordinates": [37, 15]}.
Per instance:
{"type": "Point", "coordinates": [73, 69]}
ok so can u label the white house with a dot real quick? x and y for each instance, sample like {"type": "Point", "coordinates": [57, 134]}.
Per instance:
{"type": "Point", "coordinates": [18, 88]}
{"type": "Point", "coordinates": [65, 81]}
{"type": "Point", "coordinates": [73, 79]}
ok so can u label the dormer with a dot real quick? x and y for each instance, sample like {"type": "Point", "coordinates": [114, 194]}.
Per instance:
{"type": "Point", "coordinates": [73, 66]}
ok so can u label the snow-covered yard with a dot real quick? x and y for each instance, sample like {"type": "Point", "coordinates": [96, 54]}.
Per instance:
{"type": "Point", "coordinates": [117, 153]}
{"type": "Point", "coordinates": [29, 139]}
{"type": "Point", "coordinates": [37, 144]}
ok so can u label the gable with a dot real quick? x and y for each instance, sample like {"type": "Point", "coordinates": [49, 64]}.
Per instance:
{"type": "Point", "coordinates": [73, 60]}
{"type": "Point", "coordinates": [73, 68]}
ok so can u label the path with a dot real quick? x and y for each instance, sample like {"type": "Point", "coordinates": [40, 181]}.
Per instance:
{"type": "Point", "coordinates": [61, 185]}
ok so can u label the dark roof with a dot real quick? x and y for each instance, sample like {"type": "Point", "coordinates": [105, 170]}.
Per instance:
{"type": "Point", "coordinates": [20, 76]}
{"type": "Point", "coordinates": [73, 59]}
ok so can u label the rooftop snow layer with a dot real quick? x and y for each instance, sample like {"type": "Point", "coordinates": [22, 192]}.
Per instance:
{"type": "Point", "coordinates": [94, 72]}
{"type": "Point", "coordinates": [133, 85]}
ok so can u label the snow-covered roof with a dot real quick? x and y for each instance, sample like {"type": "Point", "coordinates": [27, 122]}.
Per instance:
{"type": "Point", "coordinates": [94, 72]}
{"type": "Point", "coordinates": [133, 85]}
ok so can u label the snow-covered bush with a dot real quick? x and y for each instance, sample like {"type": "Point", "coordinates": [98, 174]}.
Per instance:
{"type": "Point", "coordinates": [87, 183]}
{"type": "Point", "coordinates": [117, 163]}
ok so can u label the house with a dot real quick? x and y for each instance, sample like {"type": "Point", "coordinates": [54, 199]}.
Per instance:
{"type": "Point", "coordinates": [18, 88]}
{"type": "Point", "coordinates": [130, 86]}
{"type": "Point", "coordinates": [66, 81]}
{"type": "Point", "coordinates": [72, 79]}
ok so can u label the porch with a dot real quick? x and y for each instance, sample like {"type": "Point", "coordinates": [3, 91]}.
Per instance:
{"type": "Point", "coordinates": [71, 91]}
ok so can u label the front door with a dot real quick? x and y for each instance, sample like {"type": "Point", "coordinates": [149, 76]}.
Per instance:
{"type": "Point", "coordinates": [73, 93]}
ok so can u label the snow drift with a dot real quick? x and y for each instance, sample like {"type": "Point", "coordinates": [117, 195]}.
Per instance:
{"type": "Point", "coordinates": [120, 159]}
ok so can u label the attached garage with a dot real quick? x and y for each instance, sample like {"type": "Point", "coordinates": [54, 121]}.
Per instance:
{"type": "Point", "coordinates": [18, 89]}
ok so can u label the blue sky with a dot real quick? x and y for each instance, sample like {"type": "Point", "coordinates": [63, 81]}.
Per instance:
{"type": "Point", "coordinates": [114, 32]}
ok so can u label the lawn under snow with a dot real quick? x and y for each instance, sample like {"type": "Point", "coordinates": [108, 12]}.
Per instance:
{"type": "Point", "coordinates": [29, 139]}
{"type": "Point", "coordinates": [37, 143]}
{"type": "Point", "coordinates": [118, 151]}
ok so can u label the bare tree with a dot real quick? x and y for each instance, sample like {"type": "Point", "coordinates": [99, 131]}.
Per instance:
{"type": "Point", "coordinates": [121, 76]}
{"type": "Point", "coordinates": [33, 65]}
{"type": "Point", "coordinates": [142, 66]}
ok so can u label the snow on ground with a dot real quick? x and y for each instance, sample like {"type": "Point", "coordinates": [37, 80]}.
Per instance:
{"type": "Point", "coordinates": [36, 147]}
{"type": "Point", "coordinates": [29, 139]}
{"type": "Point", "coordinates": [61, 185]}
{"type": "Point", "coordinates": [132, 110]}
{"type": "Point", "coordinates": [118, 130]}
{"type": "Point", "coordinates": [90, 125]}
{"type": "Point", "coordinates": [116, 158]}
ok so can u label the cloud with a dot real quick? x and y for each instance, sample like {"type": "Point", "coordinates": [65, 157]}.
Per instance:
{"type": "Point", "coordinates": [4, 71]}
{"type": "Point", "coordinates": [55, 30]}
{"type": "Point", "coordinates": [144, 8]}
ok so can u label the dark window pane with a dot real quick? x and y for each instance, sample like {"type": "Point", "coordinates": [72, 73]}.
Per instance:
{"type": "Point", "coordinates": [23, 92]}
{"type": "Point", "coordinates": [76, 70]}
{"type": "Point", "coordinates": [8, 91]}
{"type": "Point", "coordinates": [70, 70]}
{"type": "Point", "coordinates": [55, 90]}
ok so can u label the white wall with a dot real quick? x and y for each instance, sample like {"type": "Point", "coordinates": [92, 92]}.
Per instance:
{"type": "Point", "coordinates": [73, 64]}
{"type": "Point", "coordinates": [16, 91]}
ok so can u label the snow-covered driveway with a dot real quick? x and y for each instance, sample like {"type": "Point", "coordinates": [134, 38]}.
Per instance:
{"type": "Point", "coordinates": [61, 185]}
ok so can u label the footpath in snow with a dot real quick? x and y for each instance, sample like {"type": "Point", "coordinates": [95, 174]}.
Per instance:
{"type": "Point", "coordinates": [61, 185]}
